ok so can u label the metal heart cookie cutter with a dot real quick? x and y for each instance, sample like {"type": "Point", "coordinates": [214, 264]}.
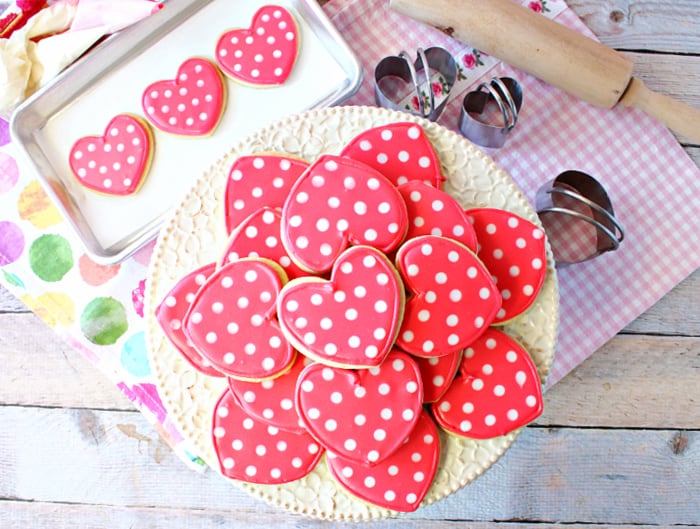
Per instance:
{"type": "Point", "coordinates": [485, 129]}
{"type": "Point", "coordinates": [578, 217]}
{"type": "Point", "coordinates": [419, 76]}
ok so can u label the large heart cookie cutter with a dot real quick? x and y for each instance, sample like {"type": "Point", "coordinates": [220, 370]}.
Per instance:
{"type": "Point", "coordinates": [578, 217]}
{"type": "Point", "coordinates": [419, 75]}
{"type": "Point", "coordinates": [508, 96]}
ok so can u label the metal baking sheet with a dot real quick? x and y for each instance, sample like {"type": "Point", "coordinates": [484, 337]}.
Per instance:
{"type": "Point", "coordinates": [110, 80]}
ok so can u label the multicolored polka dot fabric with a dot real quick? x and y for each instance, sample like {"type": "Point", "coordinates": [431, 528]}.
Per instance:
{"type": "Point", "coordinates": [97, 309]}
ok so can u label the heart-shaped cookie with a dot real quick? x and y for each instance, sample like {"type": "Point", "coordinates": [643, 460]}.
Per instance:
{"type": "Point", "coordinates": [116, 162]}
{"type": "Point", "coordinates": [513, 250]}
{"type": "Point", "coordinates": [453, 298]}
{"type": "Point", "coordinates": [232, 321]}
{"type": "Point", "coordinates": [253, 451]}
{"type": "Point", "coordinates": [350, 320]}
{"type": "Point", "coordinates": [272, 401]}
{"type": "Point", "coordinates": [400, 151]}
{"type": "Point", "coordinates": [340, 202]}
{"type": "Point", "coordinates": [259, 236]}
{"type": "Point", "coordinates": [263, 54]}
{"type": "Point", "coordinates": [189, 105]}
{"type": "Point", "coordinates": [256, 181]}
{"type": "Point", "coordinates": [437, 373]}
{"type": "Point", "coordinates": [363, 415]}
{"type": "Point", "coordinates": [497, 390]}
{"type": "Point", "coordinates": [399, 482]}
{"type": "Point", "coordinates": [434, 212]}
{"type": "Point", "coordinates": [171, 312]}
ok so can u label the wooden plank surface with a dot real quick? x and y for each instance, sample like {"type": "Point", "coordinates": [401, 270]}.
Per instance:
{"type": "Point", "coordinates": [618, 445]}
{"type": "Point", "coordinates": [562, 474]}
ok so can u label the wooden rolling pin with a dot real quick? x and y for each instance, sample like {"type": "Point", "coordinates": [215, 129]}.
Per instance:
{"type": "Point", "coordinates": [553, 53]}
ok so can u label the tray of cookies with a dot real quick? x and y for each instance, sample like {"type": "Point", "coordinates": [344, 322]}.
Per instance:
{"type": "Point", "coordinates": [119, 137]}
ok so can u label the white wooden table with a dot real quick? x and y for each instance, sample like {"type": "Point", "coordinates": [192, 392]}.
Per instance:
{"type": "Point", "coordinates": [618, 444]}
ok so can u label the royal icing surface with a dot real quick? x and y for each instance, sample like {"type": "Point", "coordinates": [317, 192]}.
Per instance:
{"type": "Point", "coordinates": [272, 401]}
{"type": "Point", "coordinates": [452, 297]}
{"type": "Point", "coordinates": [264, 53]}
{"type": "Point", "coordinates": [496, 390]}
{"type": "Point", "coordinates": [364, 415]}
{"type": "Point", "coordinates": [171, 312]}
{"type": "Point", "coordinates": [434, 212]}
{"type": "Point", "coordinates": [250, 450]}
{"type": "Point", "coordinates": [189, 105]}
{"type": "Point", "coordinates": [349, 320]}
{"type": "Point", "coordinates": [232, 321]}
{"type": "Point", "coordinates": [401, 481]}
{"type": "Point", "coordinates": [340, 202]}
{"type": "Point", "coordinates": [513, 249]}
{"type": "Point", "coordinates": [257, 181]}
{"type": "Point", "coordinates": [437, 373]}
{"type": "Point", "coordinates": [400, 151]}
{"type": "Point", "coordinates": [116, 162]}
{"type": "Point", "coordinates": [259, 236]}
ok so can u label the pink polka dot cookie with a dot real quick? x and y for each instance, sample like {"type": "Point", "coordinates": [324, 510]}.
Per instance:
{"type": "Point", "coordinates": [437, 373]}
{"type": "Point", "coordinates": [117, 162]}
{"type": "Point", "coordinates": [399, 482]}
{"type": "Point", "coordinates": [257, 181]}
{"type": "Point", "coordinates": [340, 202]}
{"type": "Point", "coordinates": [452, 297]}
{"type": "Point", "coordinates": [263, 54]}
{"type": "Point", "coordinates": [497, 390]}
{"type": "Point", "coordinates": [189, 105]}
{"type": "Point", "coordinates": [350, 320]}
{"type": "Point", "coordinates": [513, 249]}
{"type": "Point", "coordinates": [363, 415]}
{"type": "Point", "coordinates": [259, 236]}
{"type": "Point", "coordinates": [172, 310]}
{"type": "Point", "coordinates": [250, 450]}
{"type": "Point", "coordinates": [400, 151]}
{"type": "Point", "coordinates": [434, 212]}
{"type": "Point", "coordinates": [232, 321]}
{"type": "Point", "coordinates": [272, 401]}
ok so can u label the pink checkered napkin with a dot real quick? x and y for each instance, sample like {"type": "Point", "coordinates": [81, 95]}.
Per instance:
{"type": "Point", "coordinates": [653, 184]}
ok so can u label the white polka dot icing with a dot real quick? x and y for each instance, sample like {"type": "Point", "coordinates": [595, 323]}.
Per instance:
{"type": "Point", "coordinates": [513, 249]}
{"type": "Point", "coordinates": [171, 311]}
{"type": "Point", "coordinates": [117, 162]}
{"type": "Point", "coordinates": [400, 151]}
{"type": "Point", "coordinates": [336, 203]}
{"type": "Point", "coordinates": [399, 482]}
{"type": "Point", "coordinates": [272, 401]}
{"type": "Point", "coordinates": [497, 390]}
{"type": "Point", "coordinates": [364, 415]}
{"type": "Point", "coordinates": [191, 104]}
{"type": "Point", "coordinates": [434, 212]}
{"type": "Point", "coordinates": [437, 373]}
{"type": "Point", "coordinates": [452, 298]}
{"type": "Point", "coordinates": [250, 450]}
{"type": "Point", "coordinates": [263, 54]}
{"type": "Point", "coordinates": [259, 236]}
{"type": "Point", "coordinates": [232, 321]}
{"type": "Point", "coordinates": [349, 320]}
{"type": "Point", "coordinates": [256, 181]}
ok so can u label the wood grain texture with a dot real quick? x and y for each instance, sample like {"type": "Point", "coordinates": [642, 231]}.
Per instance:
{"type": "Point", "coordinates": [551, 474]}
{"type": "Point", "coordinates": [69, 516]}
{"type": "Point", "coordinates": [652, 25]}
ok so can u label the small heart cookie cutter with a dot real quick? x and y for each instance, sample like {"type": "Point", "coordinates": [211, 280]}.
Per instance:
{"type": "Point", "coordinates": [507, 93]}
{"type": "Point", "coordinates": [578, 217]}
{"type": "Point", "coordinates": [434, 59]}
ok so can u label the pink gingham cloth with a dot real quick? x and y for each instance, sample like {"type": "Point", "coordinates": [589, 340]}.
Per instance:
{"type": "Point", "coordinates": [653, 184]}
